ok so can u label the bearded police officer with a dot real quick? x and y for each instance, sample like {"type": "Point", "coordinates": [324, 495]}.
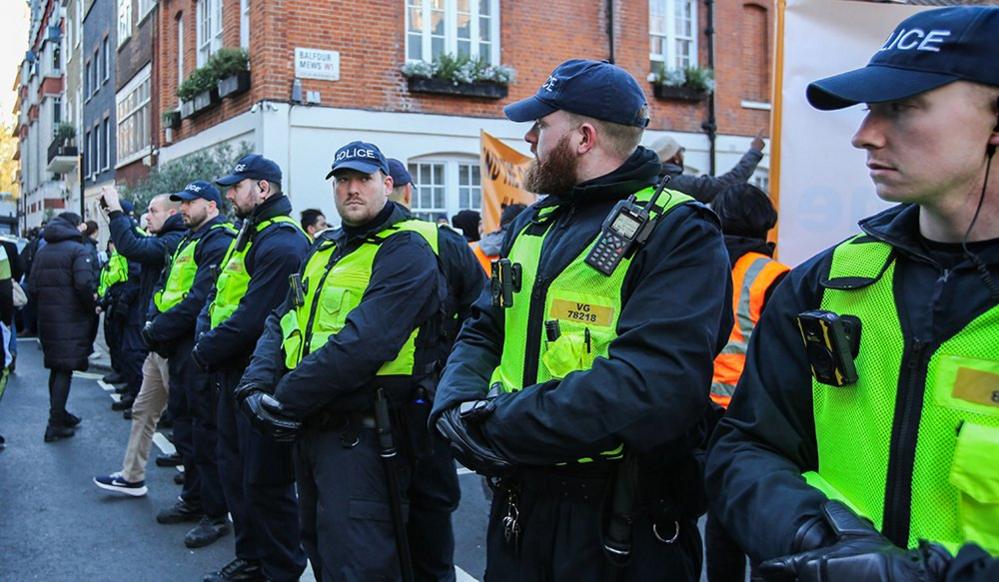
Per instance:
{"type": "Point", "coordinates": [862, 442]}
{"type": "Point", "coordinates": [599, 343]}
{"type": "Point", "coordinates": [343, 359]}
{"type": "Point", "coordinates": [187, 282]}
{"type": "Point", "coordinates": [257, 472]}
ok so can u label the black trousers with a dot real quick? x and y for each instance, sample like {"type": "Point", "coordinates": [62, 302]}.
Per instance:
{"type": "Point", "coordinates": [132, 354]}
{"type": "Point", "coordinates": [434, 494]}
{"type": "Point", "coordinates": [258, 479]}
{"type": "Point", "coordinates": [726, 562]}
{"type": "Point", "coordinates": [113, 329]}
{"type": "Point", "coordinates": [561, 521]}
{"type": "Point", "coordinates": [192, 405]}
{"type": "Point", "coordinates": [347, 526]}
{"type": "Point", "coordinates": [59, 383]}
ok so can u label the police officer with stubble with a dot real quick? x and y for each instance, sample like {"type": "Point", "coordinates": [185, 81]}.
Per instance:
{"type": "Point", "coordinates": [357, 334]}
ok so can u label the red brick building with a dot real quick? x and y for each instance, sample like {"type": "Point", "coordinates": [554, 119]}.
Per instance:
{"type": "Point", "coordinates": [360, 48]}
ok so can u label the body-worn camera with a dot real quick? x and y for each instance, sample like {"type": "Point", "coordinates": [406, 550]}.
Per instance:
{"type": "Point", "coordinates": [832, 341]}
{"type": "Point", "coordinates": [505, 282]}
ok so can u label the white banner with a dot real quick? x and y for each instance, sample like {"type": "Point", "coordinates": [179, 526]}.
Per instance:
{"type": "Point", "coordinates": [824, 186]}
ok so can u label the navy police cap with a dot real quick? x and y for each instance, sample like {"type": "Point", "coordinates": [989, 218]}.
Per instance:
{"type": "Point", "coordinates": [361, 157]}
{"type": "Point", "coordinates": [254, 167]}
{"type": "Point", "coordinates": [595, 89]}
{"type": "Point", "coordinates": [198, 189]}
{"type": "Point", "coordinates": [927, 50]}
{"type": "Point", "coordinates": [400, 175]}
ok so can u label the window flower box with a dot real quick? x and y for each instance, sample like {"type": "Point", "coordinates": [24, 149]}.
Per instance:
{"type": "Point", "coordinates": [206, 99]}
{"type": "Point", "coordinates": [171, 119]}
{"type": "Point", "coordinates": [483, 89]}
{"type": "Point", "coordinates": [680, 93]}
{"type": "Point", "coordinates": [234, 84]}
{"type": "Point", "coordinates": [186, 108]}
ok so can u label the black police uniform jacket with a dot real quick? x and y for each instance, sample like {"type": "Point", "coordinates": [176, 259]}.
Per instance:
{"type": "Point", "coordinates": [676, 315]}
{"type": "Point", "coordinates": [767, 439]}
{"type": "Point", "coordinates": [274, 254]}
{"type": "Point", "coordinates": [151, 253]}
{"type": "Point", "coordinates": [406, 291]}
{"type": "Point", "coordinates": [177, 324]}
{"type": "Point", "coordinates": [62, 284]}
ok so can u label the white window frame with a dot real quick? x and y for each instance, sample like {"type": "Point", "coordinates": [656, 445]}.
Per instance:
{"type": "Point", "coordinates": [451, 29]}
{"type": "Point", "coordinates": [145, 7]}
{"type": "Point", "coordinates": [133, 116]}
{"type": "Point", "coordinates": [180, 50]}
{"type": "Point", "coordinates": [450, 182]}
{"type": "Point", "coordinates": [124, 20]}
{"type": "Point", "coordinates": [209, 29]}
{"type": "Point", "coordinates": [670, 36]}
{"type": "Point", "coordinates": [106, 47]}
{"type": "Point", "coordinates": [106, 160]}
{"type": "Point", "coordinates": [244, 24]}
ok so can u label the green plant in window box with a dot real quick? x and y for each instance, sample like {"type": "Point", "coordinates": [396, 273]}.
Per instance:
{"type": "Point", "coordinates": [459, 75]}
{"type": "Point", "coordinates": [65, 132]}
{"type": "Point", "coordinates": [686, 84]}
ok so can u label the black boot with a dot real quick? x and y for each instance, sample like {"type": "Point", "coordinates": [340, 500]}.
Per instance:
{"type": "Point", "coordinates": [179, 513]}
{"type": "Point", "coordinates": [237, 569]}
{"type": "Point", "coordinates": [124, 404]}
{"type": "Point", "coordinates": [113, 378]}
{"type": "Point", "coordinates": [71, 420]}
{"type": "Point", "coordinates": [207, 531]}
{"type": "Point", "coordinates": [56, 432]}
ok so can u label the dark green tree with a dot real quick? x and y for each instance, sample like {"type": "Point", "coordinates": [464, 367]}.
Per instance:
{"type": "Point", "coordinates": [206, 164]}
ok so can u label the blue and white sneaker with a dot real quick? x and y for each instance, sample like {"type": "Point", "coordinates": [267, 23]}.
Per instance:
{"type": "Point", "coordinates": [115, 482]}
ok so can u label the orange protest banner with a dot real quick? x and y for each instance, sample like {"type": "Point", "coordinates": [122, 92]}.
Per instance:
{"type": "Point", "coordinates": [504, 169]}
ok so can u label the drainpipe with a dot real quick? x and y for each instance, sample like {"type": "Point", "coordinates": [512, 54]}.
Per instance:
{"type": "Point", "coordinates": [710, 125]}
{"type": "Point", "coordinates": [610, 29]}
{"type": "Point", "coordinates": [83, 206]}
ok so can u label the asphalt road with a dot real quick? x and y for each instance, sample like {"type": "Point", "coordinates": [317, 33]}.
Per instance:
{"type": "Point", "coordinates": [56, 525]}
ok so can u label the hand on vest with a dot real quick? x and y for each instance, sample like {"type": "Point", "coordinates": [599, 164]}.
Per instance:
{"type": "Point", "coordinates": [459, 425]}
{"type": "Point", "coordinates": [861, 554]}
{"type": "Point", "coordinates": [266, 414]}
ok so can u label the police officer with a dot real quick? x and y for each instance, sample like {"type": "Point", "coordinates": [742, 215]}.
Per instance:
{"type": "Point", "coordinates": [888, 473]}
{"type": "Point", "coordinates": [257, 472]}
{"type": "Point", "coordinates": [363, 320]}
{"type": "Point", "coordinates": [434, 493]}
{"type": "Point", "coordinates": [187, 282]}
{"type": "Point", "coordinates": [591, 365]}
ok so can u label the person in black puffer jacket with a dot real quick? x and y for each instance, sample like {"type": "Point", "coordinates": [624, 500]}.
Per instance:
{"type": "Point", "coordinates": [61, 282]}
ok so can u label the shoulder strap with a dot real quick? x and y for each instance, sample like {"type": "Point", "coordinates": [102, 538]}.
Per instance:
{"type": "Point", "coordinates": [858, 262]}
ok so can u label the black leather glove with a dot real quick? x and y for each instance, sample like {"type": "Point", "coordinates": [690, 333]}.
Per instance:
{"type": "Point", "coordinates": [459, 425]}
{"type": "Point", "coordinates": [147, 337]}
{"type": "Point", "coordinates": [861, 554]}
{"type": "Point", "coordinates": [266, 414]}
{"type": "Point", "coordinates": [198, 360]}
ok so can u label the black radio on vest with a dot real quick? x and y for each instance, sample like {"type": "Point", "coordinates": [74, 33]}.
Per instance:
{"type": "Point", "coordinates": [626, 225]}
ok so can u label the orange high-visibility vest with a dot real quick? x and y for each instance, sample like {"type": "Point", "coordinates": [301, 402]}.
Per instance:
{"type": "Point", "coordinates": [752, 276]}
{"type": "Point", "coordinates": [484, 259]}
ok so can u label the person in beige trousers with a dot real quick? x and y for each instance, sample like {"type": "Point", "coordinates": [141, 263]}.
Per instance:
{"type": "Point", "coordinates": [165, 227]}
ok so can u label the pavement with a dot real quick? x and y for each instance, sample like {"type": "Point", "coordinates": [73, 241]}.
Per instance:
{"type": "Point", "coordinates": [56, 525]}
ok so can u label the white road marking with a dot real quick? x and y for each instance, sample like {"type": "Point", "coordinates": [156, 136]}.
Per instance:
{"type": "Point", "coordinates": [105, 385]}
{"type": "Point", "coordinates": [87, 376]}
{"type": "Point", "coordinates": [28, 339]}
{"type": "Point", "coordinates": [464, 471]}
{"type": "Point", "coordinates": [163, 444]}
{"type": "Point", "coordinates": [463, 576]}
